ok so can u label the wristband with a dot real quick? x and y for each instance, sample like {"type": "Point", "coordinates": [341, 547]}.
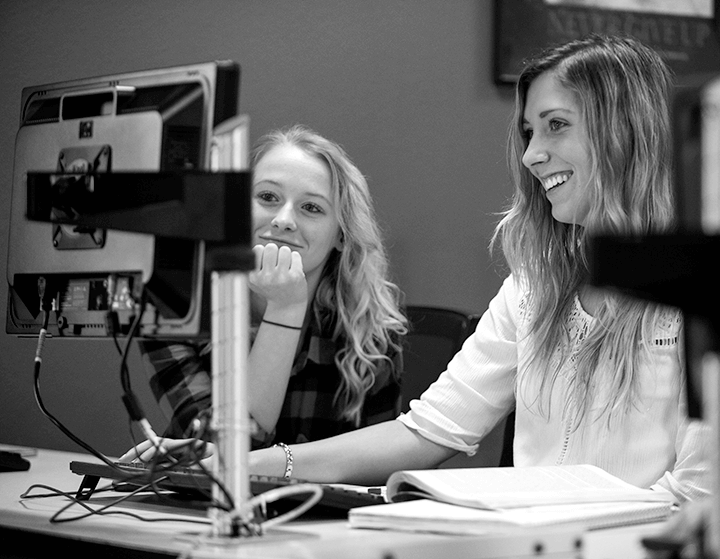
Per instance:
{"type": "Point", "coordinates": [282, 325]}
{"type": "Point", "coordinates": [288, 459]}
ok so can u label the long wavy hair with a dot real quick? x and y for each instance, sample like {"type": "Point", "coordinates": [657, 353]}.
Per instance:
{"type": "Point", "coordinates": [355, 289]}
{"type": "Point", "coordinates": [623, 88]}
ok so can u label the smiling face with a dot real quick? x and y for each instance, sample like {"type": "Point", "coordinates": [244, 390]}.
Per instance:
{"type": "Point", "coordinates": [558, 149]}
{"type": "Point", "coordinates": [293, 205]}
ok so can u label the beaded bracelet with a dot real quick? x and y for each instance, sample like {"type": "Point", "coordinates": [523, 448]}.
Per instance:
{"type": "Point", "coordinates": [282, 325]}
{"type": "Point", "coordinates": [288, 459]}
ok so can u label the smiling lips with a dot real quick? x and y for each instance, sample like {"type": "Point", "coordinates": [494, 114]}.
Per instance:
{"type": "Point", "coordinates": [555, 180]}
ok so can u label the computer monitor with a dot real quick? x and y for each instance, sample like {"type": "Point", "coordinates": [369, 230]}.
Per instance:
{"type": "Point", "coordinates": [151, 121]}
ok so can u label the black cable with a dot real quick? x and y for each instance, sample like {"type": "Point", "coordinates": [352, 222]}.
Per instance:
{"type": "Point", "coordinates": [164, 462]}
{"type": "Point", "coordinates": [124, 371]}
{"type": "Point", "coordinates": [46, 306]}
{"type": "Point", "coordinates": [117, 343]}
{"type": "Point", "coordinates": [103, 510]}
{"type": "Point", "coordinates": [187, 456]}
{"type": "Point", "coordinates": [112, 327]}
{"type": "Point", "coordinates": [38, 396]}
{"type": "Point", "coordinates": [170, 461]}
{"type": "Point", "coordinates": [137, 414]}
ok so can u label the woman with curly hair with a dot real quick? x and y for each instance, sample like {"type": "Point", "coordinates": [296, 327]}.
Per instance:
{"type": "Point", "coordinates": [326, 323]}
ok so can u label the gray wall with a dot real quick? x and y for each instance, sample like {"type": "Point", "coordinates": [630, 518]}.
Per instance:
{"type": "Point", "coordinates": [404, 85]}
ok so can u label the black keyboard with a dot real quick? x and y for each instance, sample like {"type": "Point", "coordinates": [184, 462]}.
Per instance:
{"type": "Point", "coordinates": [192, 480]}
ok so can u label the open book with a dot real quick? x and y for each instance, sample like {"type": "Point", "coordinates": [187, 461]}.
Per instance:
{"type": "Point", "coordinates": [482, 500]}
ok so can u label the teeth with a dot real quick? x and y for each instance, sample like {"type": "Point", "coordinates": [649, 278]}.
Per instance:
{"type": "Point", "coordinates": [555, 180]}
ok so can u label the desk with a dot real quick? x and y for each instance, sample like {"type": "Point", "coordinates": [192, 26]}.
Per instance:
{"type": "Point", "coordinates": [26, 531]}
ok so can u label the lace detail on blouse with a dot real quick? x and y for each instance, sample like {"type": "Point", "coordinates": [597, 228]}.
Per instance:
{"type": "Point", "coordinates": [665, 331]}
{"type": "Point", "coordinates": [579, 322]}
{"type": "Point", "coordinates": [667, 327]}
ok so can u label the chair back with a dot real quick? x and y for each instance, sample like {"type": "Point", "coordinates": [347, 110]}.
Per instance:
{"type": "Point", "coordinates": [435, 335]}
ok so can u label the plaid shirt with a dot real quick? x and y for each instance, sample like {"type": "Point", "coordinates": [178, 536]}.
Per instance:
{"type": "Point", "coordinates": [180, 380]}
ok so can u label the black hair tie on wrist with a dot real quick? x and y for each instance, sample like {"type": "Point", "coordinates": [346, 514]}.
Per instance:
{"type": "Point", "coordinates": [282, 325]}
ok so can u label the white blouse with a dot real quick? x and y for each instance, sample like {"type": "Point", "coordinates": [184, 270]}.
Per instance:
{"type": "Point", "coordinates": [653, 444]}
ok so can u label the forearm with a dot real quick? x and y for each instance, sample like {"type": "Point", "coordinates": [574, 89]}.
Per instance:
{"type": "Point", "coordinates": [269, 365]}
{"type": "Point", "coordinates": [366, 456]}
{"type": "Point", "coordinates": [270, 362]}
{"type": "Point", "coordinates": [280, 292]}
{"type": "Point", "coordinates": [692, 476]}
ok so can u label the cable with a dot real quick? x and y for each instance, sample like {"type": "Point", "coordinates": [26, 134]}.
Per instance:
{"type": "Point", "coordinates": [187, 456]}
{"type": "Point", "coordinates": [112, 325]}
{"type": "Point", "coordinates": [103, 510]}
{"type": "Point", "coordinates": [261, 501]}
{"type": "Point", "coordinates": [258, 503]}
{"type": "Point", "coordinates": [192, 455]}
{"type": "Point", "coordinates": [124, 371]}
{"type": "Point", "coordinates": [132, 404]}
{"type": "Point", "coordinates": [36, 386]}
{"type": "Point", "coordinates": [278, 493]}
{"type": "Point", "coordinates": [47, 304]}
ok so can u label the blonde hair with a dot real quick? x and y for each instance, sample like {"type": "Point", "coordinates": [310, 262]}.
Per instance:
{"type": "Point", "coordinates": [623, 88]}
{"type": "Point", "coordinates": [355, 287]}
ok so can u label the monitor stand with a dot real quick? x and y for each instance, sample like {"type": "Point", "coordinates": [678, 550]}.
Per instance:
{"type": "Point", "coordinates": [230, 422]}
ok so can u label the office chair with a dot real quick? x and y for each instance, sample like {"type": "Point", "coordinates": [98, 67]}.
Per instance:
{"type": "Point", "coordinates": [436, 334]}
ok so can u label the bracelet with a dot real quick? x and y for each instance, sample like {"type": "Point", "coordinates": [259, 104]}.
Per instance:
{"type": "Point", "coordinates": [288, 459]}
{"type": "Point", "coordinates": [282, 325]}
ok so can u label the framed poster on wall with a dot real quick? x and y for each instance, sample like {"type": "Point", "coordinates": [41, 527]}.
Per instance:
{"type": "Point", "coordinates": [684, 32]}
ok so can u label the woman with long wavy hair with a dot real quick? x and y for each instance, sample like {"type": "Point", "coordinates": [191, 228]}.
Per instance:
{"type": "Point", "coordinates": [326, 322]}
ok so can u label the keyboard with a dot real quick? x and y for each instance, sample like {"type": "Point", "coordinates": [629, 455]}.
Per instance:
{"type": "Point", "coordinates": [193, 481]}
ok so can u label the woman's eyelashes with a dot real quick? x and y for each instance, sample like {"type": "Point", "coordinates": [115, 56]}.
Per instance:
{"type": "Point", "coordinates": [313, 208]}
{"type": "Point", "coordinates": [266, 196]}
{"type": "Point", "coordinates": [269, 198]}
{"type": "Point", "coordinates": [553, 125]}
{"type": "Point", "coordinates": [556, 124]}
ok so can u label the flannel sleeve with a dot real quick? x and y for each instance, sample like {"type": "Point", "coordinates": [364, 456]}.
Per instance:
{"type": "Point", "coordinates": [179, 375]}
